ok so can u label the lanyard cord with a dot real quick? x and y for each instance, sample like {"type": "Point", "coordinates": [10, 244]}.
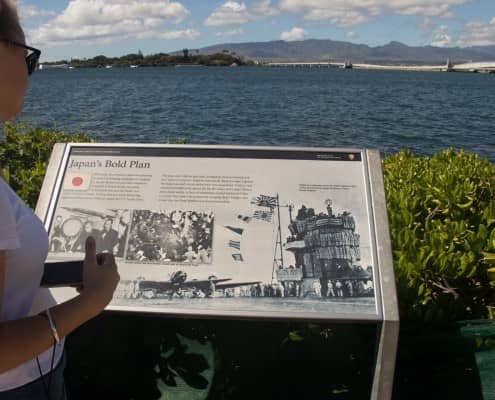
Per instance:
{"type": "Point", "coordinates": [46, 387]}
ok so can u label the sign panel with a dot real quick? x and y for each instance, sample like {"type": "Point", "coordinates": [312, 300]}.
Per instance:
{"type": "Point", "coordinates": [222, 231]}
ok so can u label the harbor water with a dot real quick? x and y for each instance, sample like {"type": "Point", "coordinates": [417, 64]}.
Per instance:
{"type": "Point", "coordinates": [324, 107]}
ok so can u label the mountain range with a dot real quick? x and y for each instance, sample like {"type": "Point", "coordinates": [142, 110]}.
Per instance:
{"type": "Point", "coordinates": [330, 50]}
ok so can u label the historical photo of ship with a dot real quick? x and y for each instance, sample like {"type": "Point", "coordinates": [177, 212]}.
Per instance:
{"type": "Point", "coordinates": [326, 252]}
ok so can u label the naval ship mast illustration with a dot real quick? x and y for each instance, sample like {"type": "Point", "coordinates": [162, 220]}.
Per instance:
{"type": "Point", "coordinates": [326, 251]}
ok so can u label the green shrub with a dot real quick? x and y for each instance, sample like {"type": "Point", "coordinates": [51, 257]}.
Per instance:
{"type": "Point", "coordinates": [442, 221]}
{"type": "Point", "coordinates": [24, 156]}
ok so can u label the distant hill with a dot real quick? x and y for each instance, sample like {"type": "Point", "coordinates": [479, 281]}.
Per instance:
{"type": "Point", "coordinates": [322, 50]}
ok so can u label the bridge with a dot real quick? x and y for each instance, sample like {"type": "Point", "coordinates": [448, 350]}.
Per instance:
{"type": "Point", "coordinates": [484, 67]}
{"type": "Point", "coordinates": [321, 64]}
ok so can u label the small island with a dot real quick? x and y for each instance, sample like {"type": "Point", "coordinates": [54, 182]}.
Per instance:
{"type": "Point", "coordinates": [135, 60]}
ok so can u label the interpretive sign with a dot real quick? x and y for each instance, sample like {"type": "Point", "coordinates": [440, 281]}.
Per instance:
{"type": "Point", "coordinates": [222, 230]}
{"type": "Point", "coordinates": [257, 232]}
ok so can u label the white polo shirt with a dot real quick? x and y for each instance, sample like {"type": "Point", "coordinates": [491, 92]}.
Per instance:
{"type": "Point", "coordinates": [25, 241]}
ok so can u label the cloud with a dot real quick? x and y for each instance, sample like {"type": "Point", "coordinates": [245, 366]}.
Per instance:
{"type": "Point", "coordinates": [233, 32]}
{"type": "Point", "coordinates": [440, 37]}
{"type": "Point", "coordinates": [477, 33]}
{"type": "Point", "coordinates": [353, 12]}
{"type": "Point", "coordinates": [428, 24]}
{"type": "Point", "coordinates": [263, 9]}
{"type": "Point", "coordinates": [442, 40]}
{"type": "Point", "coordinates": [230, 13]}
{"type": "Point", "coordinates": [294, 34]}
{"type": "Point", "coordinates": [351, 35]}
{"type": "Point", "coordinates": [235, 13]}
{"type": "Point", "coordinates": [433, 33]}
{"type": "Point", "coordinates": [28, 11]}
{"type": "Point", "coordinates": [189, 34]}
{"type": "Point", "coordinates": [109, 20]}
{"type": "Point", "coordinates": [342, 18]}
{"type": "Point", "coordinates": [440, 10]}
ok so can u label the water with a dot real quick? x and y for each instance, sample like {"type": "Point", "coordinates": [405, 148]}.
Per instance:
{"type": "Point", "coordinates": [390, 110]}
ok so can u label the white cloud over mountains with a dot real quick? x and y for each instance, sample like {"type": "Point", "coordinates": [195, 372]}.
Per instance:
{"type": "Point", "coordinates": [232, 32]}
{"type": "Point", "coordinates": [478, 34]}
{"type": "Point", "coordinates": [441, 38]}
{"type": "Point", "coordinates": [108, 20]}
{"type": "Point", "coordinates": [294, 34]}
{"type": "Point", "coordinates": [236, 13]}
{"type": "Point", "coordinates": [230, 13]}
{"type": "Point", "coordinates": [190, 34]}
{"type": "Point", "coordinates": [347, 13]}
{"type": "Point", "coordinates": [473, 33]}
{"type": "Point", "coordinates": [353, 12]}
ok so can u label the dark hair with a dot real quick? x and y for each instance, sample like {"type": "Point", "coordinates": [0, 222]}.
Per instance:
{"type": "Point", "coordinates": [10, 28]}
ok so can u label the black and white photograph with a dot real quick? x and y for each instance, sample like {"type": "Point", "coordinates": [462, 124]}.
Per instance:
{"type": "Point", "coordinates": [171, 237]}
{"type": "Point", "coordinates": [327, 255]}
{"type": "Point", "coordinates": [313, 259]}
{"type": "Point", "coordinates": [72, 226]}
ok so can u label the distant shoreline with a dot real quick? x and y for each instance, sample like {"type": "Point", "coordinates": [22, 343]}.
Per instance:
{"type": "Point", "coordinates": [481, 67]}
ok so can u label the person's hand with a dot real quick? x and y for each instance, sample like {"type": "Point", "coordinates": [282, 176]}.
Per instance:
{"type": "Point", "coordinates": [100, 276]}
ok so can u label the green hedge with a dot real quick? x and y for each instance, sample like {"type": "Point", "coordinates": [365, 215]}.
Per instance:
{"type": "Point", "coordinates": [441, 210]}
{"type": "Point", "coordinates": [442, 221]}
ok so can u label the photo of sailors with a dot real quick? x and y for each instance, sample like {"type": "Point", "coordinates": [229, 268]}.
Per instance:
{"type": "Point", "coordinates": [72, 226]}
{"type": "Point", "coordinates": [176, 236]}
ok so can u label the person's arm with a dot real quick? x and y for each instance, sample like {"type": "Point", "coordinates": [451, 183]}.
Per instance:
{"type": "Point", "coordinates": [22, 340]}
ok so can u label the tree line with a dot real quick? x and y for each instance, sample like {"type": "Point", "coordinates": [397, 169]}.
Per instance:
{"type": "Point", "coordinates": [224, 59]}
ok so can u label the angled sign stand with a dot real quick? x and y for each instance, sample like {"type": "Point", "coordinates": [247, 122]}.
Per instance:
{"type": "Point", "coordinates": [229, 232]}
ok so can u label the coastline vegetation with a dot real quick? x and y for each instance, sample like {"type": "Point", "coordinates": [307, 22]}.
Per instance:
{"type": "Point", "coordinates": [441, 212]}
{"type": "Point", "coordinates": [187, 58]}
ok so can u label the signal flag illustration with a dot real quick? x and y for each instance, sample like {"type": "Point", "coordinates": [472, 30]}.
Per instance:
{"type": "Point", "coordinates": [235, 244]}
{"type": "Point", "coordinates": [265, 201]}
{"type": "Point", "coordinates": [239, 231]}
{"type": "Point", "coordinates": [263, 215]}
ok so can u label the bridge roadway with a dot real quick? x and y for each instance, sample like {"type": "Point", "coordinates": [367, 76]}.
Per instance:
{"type": "Point", "coordinates": [487, 67]}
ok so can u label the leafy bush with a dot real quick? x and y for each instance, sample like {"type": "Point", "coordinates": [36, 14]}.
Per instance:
{"type": "Point", "coordinates": [24, 156]}
{"type": "Point", "coordinates": [442, 220]}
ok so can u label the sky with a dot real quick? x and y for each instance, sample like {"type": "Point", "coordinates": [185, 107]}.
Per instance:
{"type": "Point", "coordinates": [66, 29]}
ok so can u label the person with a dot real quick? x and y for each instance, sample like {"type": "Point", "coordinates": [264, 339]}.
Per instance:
{"type": "Point", "coordinates": [122, 229]}
{"type": "Point", "coordinates": [108, 237]}
{"type": "Point", "coordinates": [87, 231]}
{"type": "Point", "coordinates": [58, 239]}
{"type": "Point", "coordinates": [28, 338]}
{"type": "Point", "coordinates": [190, 255]}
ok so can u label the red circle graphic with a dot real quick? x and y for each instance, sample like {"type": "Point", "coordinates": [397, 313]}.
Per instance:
{"type": "Point", "coordinates": [77, 181]}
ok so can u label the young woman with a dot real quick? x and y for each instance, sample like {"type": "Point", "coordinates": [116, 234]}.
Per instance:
{"type": "Point", "coordinates": [31, 346]}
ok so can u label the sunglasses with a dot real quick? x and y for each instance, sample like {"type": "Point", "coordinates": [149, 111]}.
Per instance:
{"type": "Point", "coordinates": [32, 58]}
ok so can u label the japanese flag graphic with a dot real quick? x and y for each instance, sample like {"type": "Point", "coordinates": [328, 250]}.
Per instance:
{"type": "Point", "coordinates": [77, 181]}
